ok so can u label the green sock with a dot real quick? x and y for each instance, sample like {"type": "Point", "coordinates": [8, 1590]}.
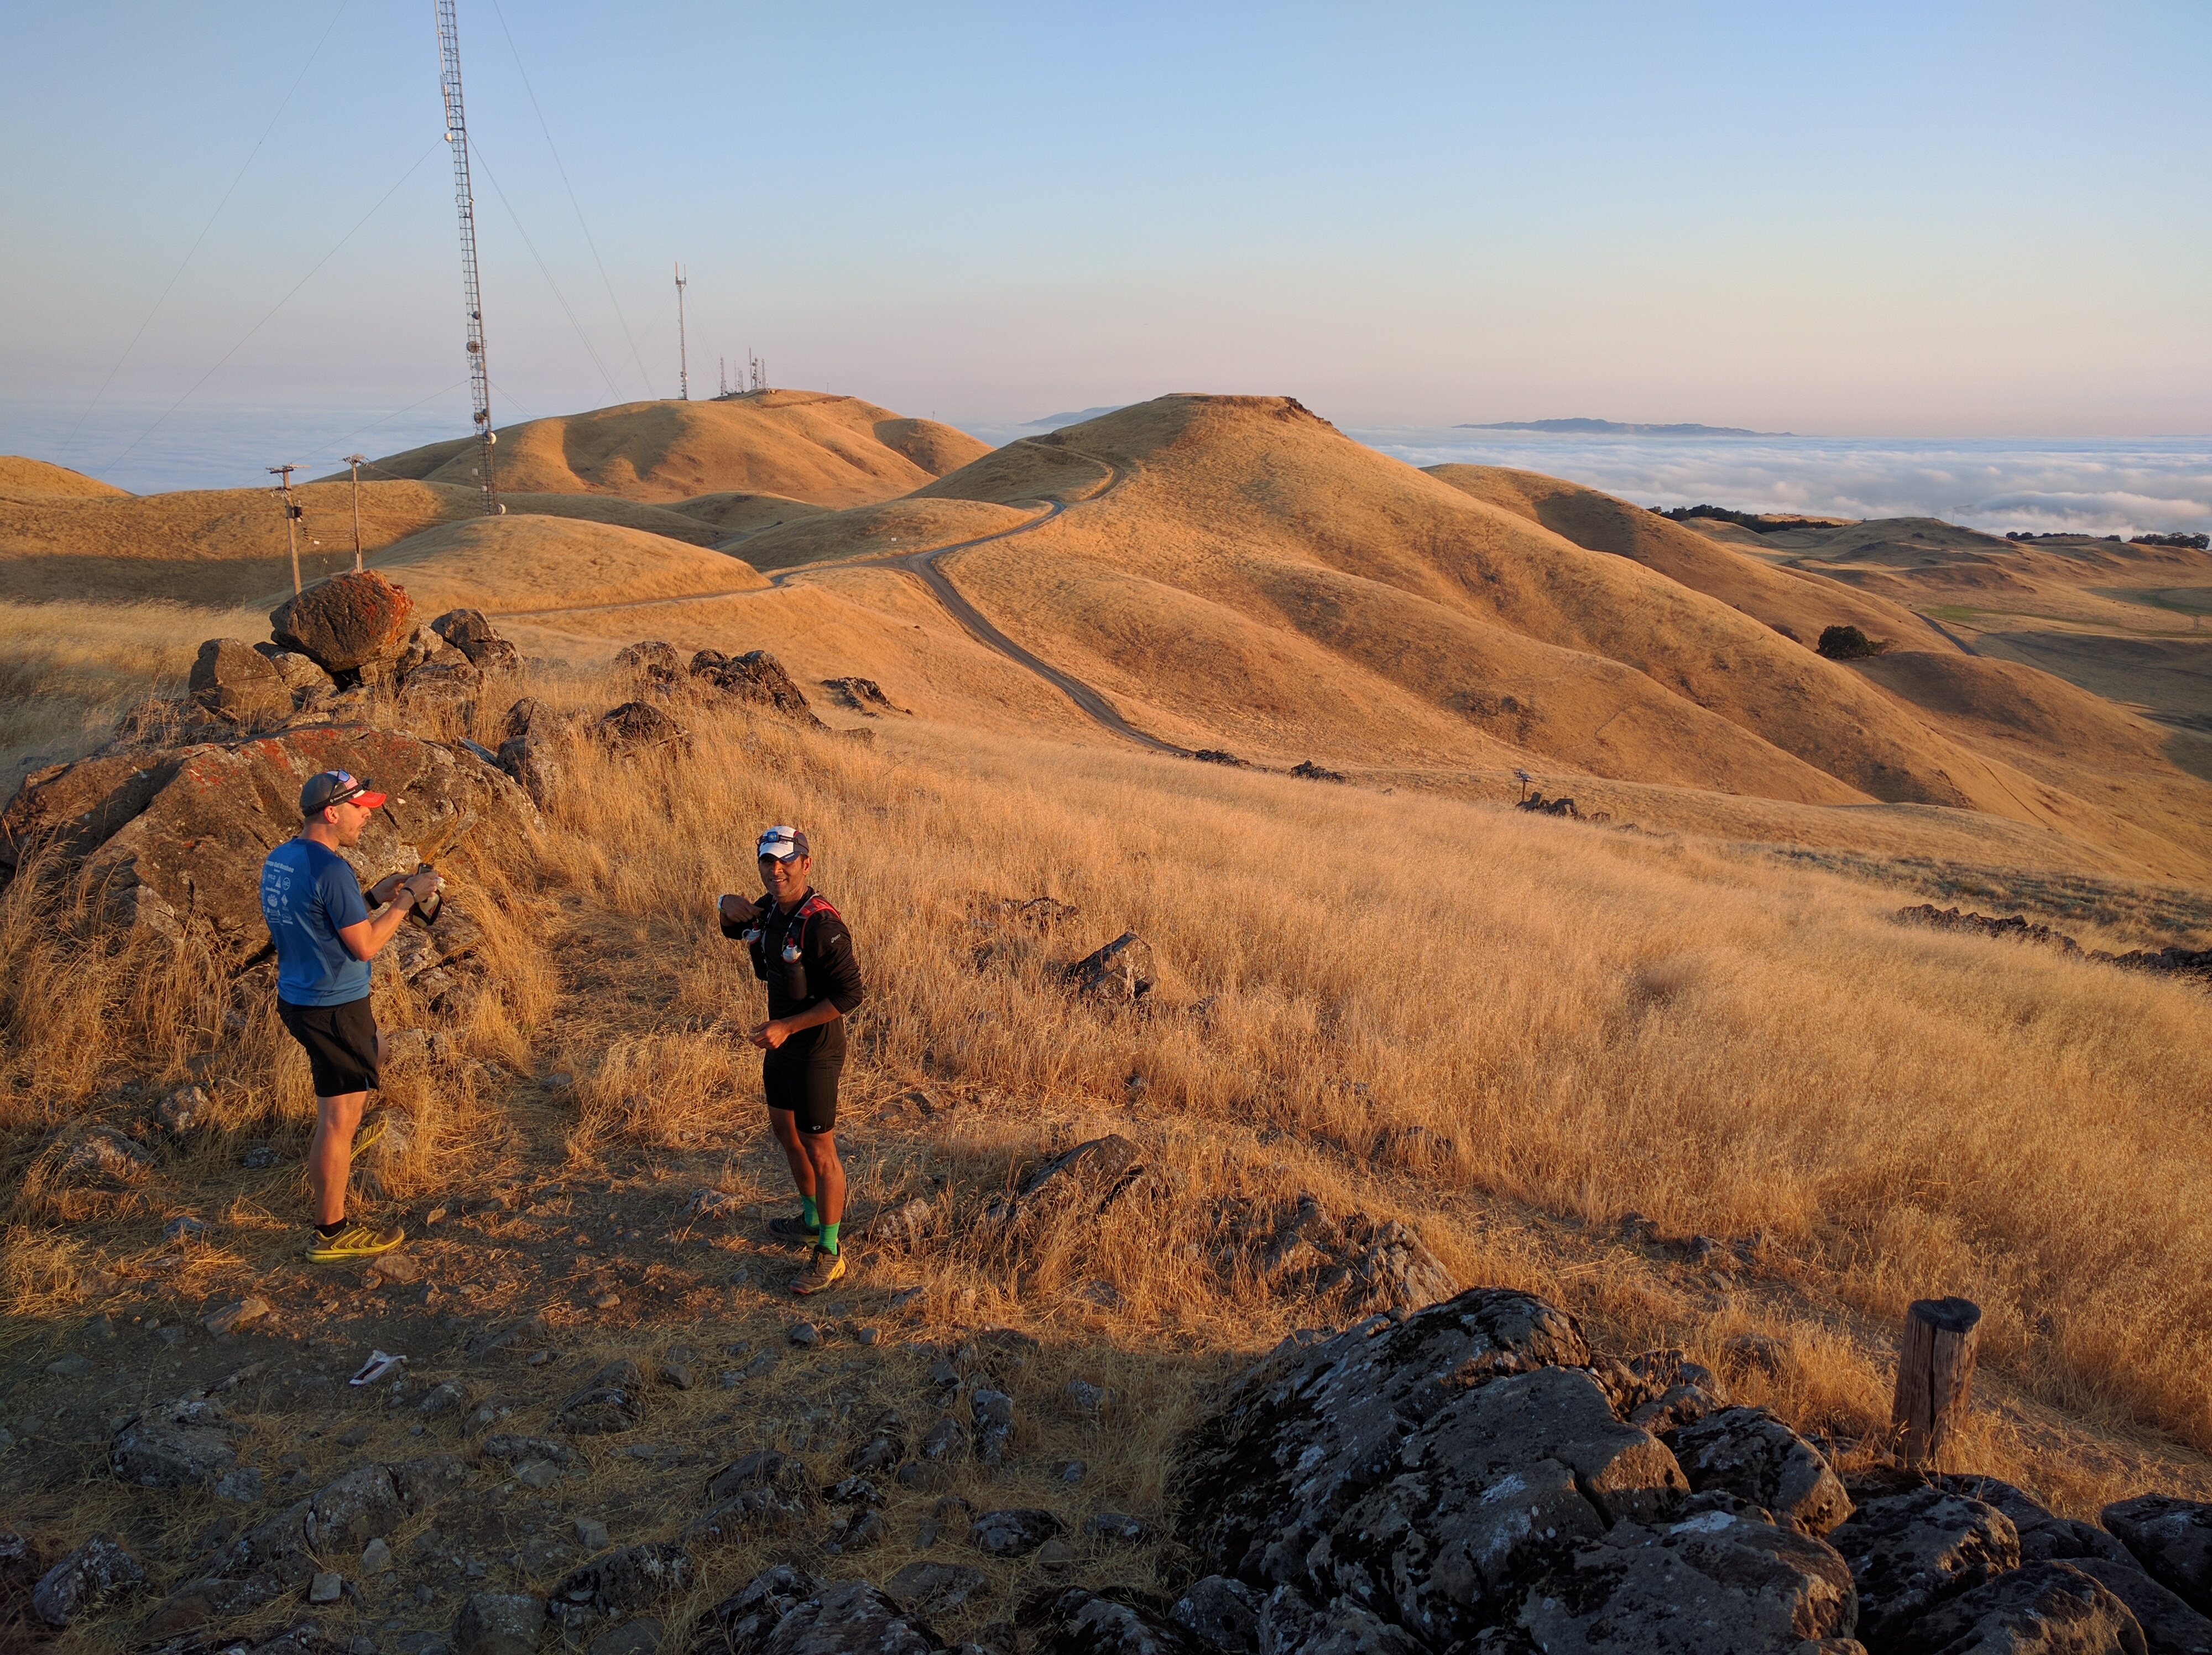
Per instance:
{"type": "Point", "coordinates": [809, 1213]}
{"type": "Point", "coordinates": [829, 1238]}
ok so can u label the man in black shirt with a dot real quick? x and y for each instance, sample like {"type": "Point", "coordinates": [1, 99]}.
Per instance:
{"type": "Point", "coordinates": [801, 949]}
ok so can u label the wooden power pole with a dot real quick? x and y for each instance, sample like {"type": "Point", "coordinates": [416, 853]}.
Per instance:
{"type": "Point", "coordinates": [292, 515]}
{"type": "Point", "coordinates": [356, 462]}
{"type": "Point", "coordinates": [1935, 1376]}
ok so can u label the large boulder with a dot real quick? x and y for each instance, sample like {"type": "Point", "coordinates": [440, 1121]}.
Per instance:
{"type": "Point", "coordinates": [755, 676]}
{"type": "Point", "coordinates": [94, 1575]}
{"type": "Point", "coordinates": [2173, 1539]}
{"type": "Point", "coordinates": [470, 632]}
{"type": "Point", "coordinates": [239, 684]}
{"type": "Point", "coordinates": [2045, 1608]}
{"type": "Point", "coordinates": [171, 838]}
{"type": "Point", "coordinates": [528, 747]}
{"type": "Point", "coordinates": [851, 1617]}
{"type": "Point", "coordinates": [1079, 1623]}
{"type": "Point", "coordinates": [347, 622]}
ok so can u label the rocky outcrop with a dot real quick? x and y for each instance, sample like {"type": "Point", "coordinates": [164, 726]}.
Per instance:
{"type": "Point", "coordinates": [529, 747]}
{"type": "Point", "coordinates": [1079, 1623]}
{"type": "Point", "coordinates": [1747, 1452]}
{"type": "Point", "coordinates": [2172, 1539]}
{"type": "Point", "coordinates": [174, 839]}
{"type": "Point", "coordinates": [1085, 1180]}
{"type": "Point", "coordinates": [470, 632]}
{"type": "Point", "coordinates": [1910, 1552]}
{"type": "Point", "coordinates": [1120, 971]}
{"type": "Point", "coordinates": [236, 682]}
{"type": "Point", "coordinates": [653, 660]}
{"type": "Point", "coordinates": [347, 622]}
{"type": "Point", "coordinates": [1360, 1263]}
{"type": "Point", "coordinates": [1424, 1482]}
{"type": "Point", "coordinates": [757, 677]}
{"type": "Point", "coordinates": [90, 1577]}
{"type": "Point", "coordinates": [2045, 1608]}
{"type": "Point", "coordinates": [638, 727]}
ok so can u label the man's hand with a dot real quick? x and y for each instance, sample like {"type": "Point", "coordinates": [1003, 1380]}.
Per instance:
{"type": "Point", "coordinates": [769, 1036]}
{"type": "Point", "coordinates": [424, 887]}
{"type": "Point", "coordinates": [737, 909]}
{"type": "Point", "coordinates": [381, 892]}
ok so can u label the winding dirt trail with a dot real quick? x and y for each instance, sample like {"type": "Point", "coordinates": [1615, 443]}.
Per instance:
{"type": "Point", "coordinates": [923, 566]}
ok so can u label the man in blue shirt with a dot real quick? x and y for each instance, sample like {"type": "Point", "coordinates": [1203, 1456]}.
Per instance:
{"type": "Point", "coordinates": [325, 936]}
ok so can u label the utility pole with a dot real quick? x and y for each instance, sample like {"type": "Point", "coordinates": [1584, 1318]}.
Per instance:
{"type": "Point", "coordinates": [683, 353]}
{"type": "Point", "coordinates": [456, 134]}
{"type": "Point", "coordinates": [292, 515]}
{"type": "Point", "coordinates": [722, 376]}
{"type": "Point", "coordinates": [356, 462]}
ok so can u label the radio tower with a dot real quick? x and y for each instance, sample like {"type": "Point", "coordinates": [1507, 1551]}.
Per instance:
{"type": "Point", "coordinates": [456, 134]}
{"type": "Point", "coordinates": [683, 351]}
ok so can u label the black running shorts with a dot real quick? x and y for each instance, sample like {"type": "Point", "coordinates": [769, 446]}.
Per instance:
{"type": "Point", "coordinates": [805, 1084]}
{"type": "Point", "coordinates": [341, 1044]}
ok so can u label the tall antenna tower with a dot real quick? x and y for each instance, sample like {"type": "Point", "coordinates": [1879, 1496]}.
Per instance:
{"type": "Point", "coordinates": [456, 134]}
{"type": "Point", "coordinates": [683, 351]}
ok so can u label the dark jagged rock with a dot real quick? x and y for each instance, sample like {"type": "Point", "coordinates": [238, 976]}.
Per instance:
{"type": "Point", "coordinates": [346, 622]}
{"type": "Point", "coordinates": [850, 1617]}
{"type": "Point", "coordinates": [499, 1623]}
{"type": "Point", "coordinates": [356, 1508]}
{"type": "Point", "coordinates": [184, 1443]}
{"type": "Point", "coordinates": [764, 1488]}
{"type": "Point", "coordinates": [612, 1400]}
{"type": "Point", "coordinates": [758, 677]}
{"type": "Point", "coordinates": [1911, 1551]}
{"type": "Point", "coordinates": [1079, 1623]}
{"type": "Point", "coordinates": [2045, 1537]}
{"type": "Point", "coordinates": [1292, 1624]}
{"type": "Point", "coordinates": [650, 660]}
{"type": "Point", "coordinates": [2171, 1538]}
{"type": "Point", "coordinates": [1536, 805]}
{"type": "Point", "coordinates": [2170, 1627]}
{"type": "Point", "coordinates": [1121, 971]}
{"type": "Point", "coordinates": [741, 1622]}
{"type": "Point", "coordinates": [2045, 1608]}
{"type": "Point", "coordinates": [1090, 1176]}
{"type": "Point", "coordinates": [937, 1588]}
{"type": "Point", "coordinates": [638, 727]}
{"type": "Point", "coordinates": [528, 748]}
{"type": "Point", "coordinates": [1015, 1533]}
{"type": "Point", "coordinates": [994, 1423]}
{"type": "Point", "coordinates": [1224, 1613]}
{"type": "Point", "coordinates": [90, 1577]}
{"type": "Point", "coordinates": [1749, 1453]}
{"type": "Point", "coordinates": [236, 682]}
{"type": "Point", "coordinates": [619, 1582]}
{"type": "Point", "coordinates": [1312, 772]}
{"type": "Point", "coordinates": [470, 632]}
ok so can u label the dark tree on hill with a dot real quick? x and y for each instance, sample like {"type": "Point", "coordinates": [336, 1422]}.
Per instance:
{"type": "Point", "coordinates": [1849, 643]}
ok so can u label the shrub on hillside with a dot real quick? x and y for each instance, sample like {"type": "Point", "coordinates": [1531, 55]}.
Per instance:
{"type": "Point", "coordinates": [1849, 643]}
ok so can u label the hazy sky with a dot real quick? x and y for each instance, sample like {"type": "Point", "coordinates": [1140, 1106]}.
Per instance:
{"type": "Point", "coordinates": [1924, 219]}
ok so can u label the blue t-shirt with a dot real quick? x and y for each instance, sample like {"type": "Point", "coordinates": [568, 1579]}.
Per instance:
{"type": "Point", "coordinates": [308, 895]}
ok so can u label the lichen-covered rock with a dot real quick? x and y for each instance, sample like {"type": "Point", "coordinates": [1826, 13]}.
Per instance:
{"type": "Point", "coordinates": [360, 1507]}
{"type": "Point", "coordinates": [638, 727]}
{"type": "Point", "coordinates": [620, 1582]}
{"type": "Point", "coordinates": [652, 659]}
{"type": "Point", "coordinates": [994, 1423]}
{"type": "Point", "coordinates": [346, 622]}
{"type": "Point", "coordinates": [1291, 1624]}
{"type": "Point", "coordinates": [765, 1489]}
{"type": "Point", "coordinates": [2045, 1608]}
{"type": "Point", "coordinates": [1014, 1532]}
{"type": "Point", "coordinates": [1087, 1178]}
{"type": "Point", "coordinates": [850, 1618]}
{"type": "Point", "coordinates": [937, 1588]}
{"type": "Point", "coordinates": [1224, 1613]}
{"type": "Point", "coordinates": [92, 1576]}
{"type": "Point", "coordinates": [1911, 1551]}
{"type": "Point", "coordinates": [1749, 1453]}
{"type": "Point", "coordinates": [184, 1444]}
{"type": "Point", "coordinates": [741, 1622]}
{"type": "Point", "coordinates": [1079, 1623]}
{"type": "Point", "coordinates": [239, 684]}
{"type": "Point", "coordinates": [2171, 1538]}
{"type": "Point", "coordinates": [470, 632]}
{"type": "Point", "coordinates": [758, 677]}
{"type": "Point", "coordinates": [1715, 1583]}
{"type": "Point", "coordinates": [2170, 1627]}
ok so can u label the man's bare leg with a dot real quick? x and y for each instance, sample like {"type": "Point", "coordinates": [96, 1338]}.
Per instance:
{"type": "Point", "coordinates": [785, 1125]}
{"type": "Point", "coordinates": [330, 1152]}
{"type": "Point", "coordinates": [829, 1173]}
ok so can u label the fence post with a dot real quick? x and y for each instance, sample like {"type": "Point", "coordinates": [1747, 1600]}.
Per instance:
{"type": "Point", "coordinates": [1935, 1376]}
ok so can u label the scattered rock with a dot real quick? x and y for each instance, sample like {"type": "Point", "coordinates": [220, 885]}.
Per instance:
{"type": "Point", "coordinates": [1086, 1398]}
{"type": "Point", "coordinates": [1114, 1528]}
{"type": "Point", "coordinates": [326, 1589]}
{"type": "Point", "coordinates": [179, 1444]}
{"type": "Point", "coordinates": [376, 1556]}
{"type": "Point", "coordinates": [499, 1623]}
{"type": "Point", "coordinates": [238, 1314]}
{"type": "Point", "coordinates": [103, 1152]}
{"type": "Point", "coordinates": [1122, 970]}
{"type": "Point", "coordinates": [610, 1401]}
{"type": "Point", "coordinates": [621, 1581]}
{"type": "Point", "coordinates": [1365, 1263]}
{"type": "Point", "coordinates": [861, 695]}
{"type": "Point", "coordinates": [1313, 772]}
{"type": "Point", "coordinates": [528, 750]}
{"type": "Point", "coordinates": [185, 1228]}
{"type": "Point", "coordinates": [71, 1366]}
{"type": "Point", "coordinates": [447, 1397]}
{"type": "Point", "coordinates": [346, 622]}
{"type": "Point", "coordinates": [849, 1618]}
{"type": "Point", "coordinates": [638, 1637]}
{"type": "Point", "coordinates": [1014, 1532]}
{"type": "Point", "coordinates": [182, 1110]}
{"type": "Point", "coordinates": [764, 1488]}
{"type": "Point", "coordinates": [907, 1225]}
{"type": "Point", "coordinates": [804, 1334]}
{"type": "Point", "coordinates": [2171, 1538]}
{"type": "Point", "coordinates": [244, 1486]}
{"type": "Point", "coordinates": [637, 727]}
{"type": "Point", "coordinates": [1911, 1551]}
{"type": "Point", "coordinates": [1749, 1453]}
{"type": "Point", "coordinates": [994, 1424]}
{"type": "Point", "coordinates": [90, 1577]}
{"type": "Point", "coordinates": [937, 1588]}
{"type": "Point", "coordinates": [591, 1533]}
{"type": "Point", "coordinates": [947, 1439]}
{"type": "Point", "coordinates": [1090, 1177]}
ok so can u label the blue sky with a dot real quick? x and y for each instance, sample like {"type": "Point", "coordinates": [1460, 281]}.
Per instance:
{"type": "Point", "coordinates": [1913, 220]}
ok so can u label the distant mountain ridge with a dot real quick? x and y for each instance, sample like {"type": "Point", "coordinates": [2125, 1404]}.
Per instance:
{"type": "Point", "coordinates": [1053, 421]}
{"type": "Point", "coordinates": [1616, 427]}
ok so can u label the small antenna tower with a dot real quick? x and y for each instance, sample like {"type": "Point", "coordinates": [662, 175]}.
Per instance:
{"type": "Point", "coordinates": [456, 134]}
{"type": "Point", "coordinates": [722, 374]}
{"type": "Point", "coordinates": [683, 352]}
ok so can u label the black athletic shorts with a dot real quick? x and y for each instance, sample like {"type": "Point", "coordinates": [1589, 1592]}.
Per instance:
{"type": "Point", "coordinates": [341, 1043]}
{"type": "Point", "coordinates": [804, 1083]}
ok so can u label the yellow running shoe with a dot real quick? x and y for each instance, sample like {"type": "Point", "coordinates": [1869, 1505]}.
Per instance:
{"type": "Point", "coordinates": [354, 1241]}
{"type": "Point", "coordinates": [823, 1268]}
{"type": "Point", "coordinates": [371, 1130]}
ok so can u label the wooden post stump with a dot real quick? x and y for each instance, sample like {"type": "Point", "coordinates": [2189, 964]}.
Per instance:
{"type": "Point", "coordinates": [1935, 1376]}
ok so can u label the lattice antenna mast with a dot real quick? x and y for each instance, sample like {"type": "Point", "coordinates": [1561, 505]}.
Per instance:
{"type": "Point", "coordinates": [683, 351]}
{"type": "Point", "coordinates": [457, 135]}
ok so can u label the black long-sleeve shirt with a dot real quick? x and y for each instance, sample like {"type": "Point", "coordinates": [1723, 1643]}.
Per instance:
{"type": "Point", "coordinates": [825, 957]}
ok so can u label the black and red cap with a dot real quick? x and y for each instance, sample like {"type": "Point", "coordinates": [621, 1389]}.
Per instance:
{"type": "Point", "coordinates": [336, 787]}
